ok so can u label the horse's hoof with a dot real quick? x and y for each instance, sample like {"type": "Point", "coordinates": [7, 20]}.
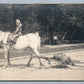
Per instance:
{"type": "Point", "coordinates": [41, 64]}
{"type": "Point", "coordinates": [41, 67]}
{"type": "Point", "coordinates": [5, 66]}
{"type": "Point", "coordinates": [49, 63]}
{"type": "Point", "coordinates": [28, 65]}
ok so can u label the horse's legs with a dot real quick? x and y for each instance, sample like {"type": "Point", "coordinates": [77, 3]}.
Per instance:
{"type": "Point", "coordinates": [38, 54]}
{"type": "Point", "coordinates": [28, 64]}
{"type": "Point", "coordinates": [6, 54]}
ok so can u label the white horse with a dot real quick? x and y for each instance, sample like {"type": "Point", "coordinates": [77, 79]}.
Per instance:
{"type": "Point", "coordinates": [29, 40]}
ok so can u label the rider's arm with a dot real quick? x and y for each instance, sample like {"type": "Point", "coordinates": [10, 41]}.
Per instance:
{"type": "Point", "coordinates": [18, 29]}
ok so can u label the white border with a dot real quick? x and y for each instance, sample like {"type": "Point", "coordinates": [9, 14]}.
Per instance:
{"type": "Point", "coordinates": [41, 1]}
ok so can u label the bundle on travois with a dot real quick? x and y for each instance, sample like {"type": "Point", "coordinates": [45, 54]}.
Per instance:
{"type": "Point", "coordinates": [61, 58]}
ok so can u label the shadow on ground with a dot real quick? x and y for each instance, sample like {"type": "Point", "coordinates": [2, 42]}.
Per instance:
{"type": "Point", "coordinates": [77, 64]}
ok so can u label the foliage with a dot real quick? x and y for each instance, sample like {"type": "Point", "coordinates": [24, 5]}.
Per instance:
{"type": "Point", "coordinates": [64, 21]}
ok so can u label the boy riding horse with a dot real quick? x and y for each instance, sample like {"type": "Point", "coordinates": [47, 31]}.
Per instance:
{"type": "Point", "coordinates": [18, 28]}
{"type": "Point", "coordinates": [13, 36]}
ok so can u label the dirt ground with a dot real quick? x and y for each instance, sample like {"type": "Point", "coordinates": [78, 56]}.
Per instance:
{"type": "Point", "coordinates": [19, 71]}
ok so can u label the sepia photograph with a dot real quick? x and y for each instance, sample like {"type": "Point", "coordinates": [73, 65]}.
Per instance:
{"type": "Point", "coordinates": [41, 42]}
